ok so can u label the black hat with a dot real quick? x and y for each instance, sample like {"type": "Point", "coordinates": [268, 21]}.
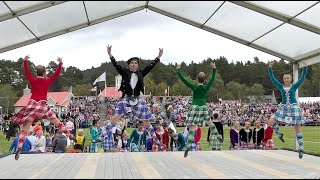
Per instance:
{"type": "Point", "coordinates": [133, 59]}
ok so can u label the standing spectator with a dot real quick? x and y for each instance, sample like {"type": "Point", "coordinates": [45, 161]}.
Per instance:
{"type": "Point", "coordinates": [94, 136]}
{"type": "Point", "coordinates": [70, 125]}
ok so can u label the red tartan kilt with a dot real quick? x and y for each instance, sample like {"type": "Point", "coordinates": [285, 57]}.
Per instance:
{"type": "Point", "coordinates": [155, 148]}
{"type": "Point", "coordinates": [33, 112]}
{"type": "Point", "coordinates": [245, 145]}
{"type": "Point", "coordinates": [269, 144]}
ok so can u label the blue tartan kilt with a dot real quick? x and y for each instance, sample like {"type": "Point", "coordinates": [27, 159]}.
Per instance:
{"type": "Point", "coordinates": [139, 111]}
{"type": "Point", "coordinates": [292, 111]}
{"type": "Point", "coordinates": [94, 148]}
{"type": "Point", "coordinates": [107, 144]}
{"type": "Point", "coordinates": [195, 147]}
{"type": "Point", "coordinates": [136, 148]}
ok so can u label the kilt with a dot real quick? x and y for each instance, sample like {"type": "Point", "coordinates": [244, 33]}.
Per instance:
{"type": "Point", "coordinates": [33, 112]}
{"type": "Point", "coordinates": [107, 144]}
{"type": "Point", "coordinates": [269, 144]}
{"type": "Point", "coordinates": [246, 146]}
{"type": "Point", "coordinates": [155, 148]}
{"type": "Point", "coordinates": [214, 142]}
{"type": "Point", "coordinates": [195, 147]}
{"type": "Point", "coordinates": [136, 148]}
{"type": "Point", "coordinates": [260, 146]}
{"type": "Point", "coordinates": [292, 111]}
{"type": "Point", "coordinates": [197, 115]}
{"type": "Point", "coordinates": [236, 147]}
{"type": "Point", "coordinates": [139, 111]}
{"type": "Point", "coordinates": [94, 148]}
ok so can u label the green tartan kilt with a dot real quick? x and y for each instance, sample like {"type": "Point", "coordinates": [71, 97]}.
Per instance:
{"type": "Point", "coordinates": [197, 115]}
{"type": "Point", "coordinates": [215, 143]}
{"type": "Point", "coordinates": [213, 139]}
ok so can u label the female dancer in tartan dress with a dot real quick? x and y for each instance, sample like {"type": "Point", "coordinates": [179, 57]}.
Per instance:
{"type": "Point", "coordinates": [137, 141]}
{"type": "Point", "coordinates": [196, 144]}
{"type": "Point", "coordinates": [108, 140]}
{"type": "Point", "coordinates": [163, 136]}
{"type": "Point", "coordinates": [37, 107]}
{"type": "Point", "coordinates": [258, 135]}
{"type": "Point", "coordinates": [289, 111]}
{"type": "Point", "coordinates": [199, 111]}
{"type": "Point", "coordinates": [214, 136]}
{"type": "Point", "coordinates": [267, 141]}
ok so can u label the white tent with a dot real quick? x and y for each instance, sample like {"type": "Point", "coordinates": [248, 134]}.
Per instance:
{"type": "Point", "coordinates": [287, 29]}
{"type": "Point", "coordinates": [308, 99]}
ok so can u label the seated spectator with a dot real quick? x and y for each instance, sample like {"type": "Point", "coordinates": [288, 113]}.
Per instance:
{"type": "Point", "coordinates": [59, 143]}
{"type": "Point", "coordinates": [40, 143]}
{"type": "Point", "coordinates": [80, 140]}
{"type": "Point", "coordinates": [26, 147]}
{"type": "Point", "coordinates": [123, 142]}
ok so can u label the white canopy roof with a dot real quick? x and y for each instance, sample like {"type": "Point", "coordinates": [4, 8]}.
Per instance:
{"type": "Point", "coordinates": [286, 29]}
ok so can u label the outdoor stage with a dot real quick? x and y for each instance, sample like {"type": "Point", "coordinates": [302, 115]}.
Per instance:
{"type": "Point", "coordinates": [252, 164]}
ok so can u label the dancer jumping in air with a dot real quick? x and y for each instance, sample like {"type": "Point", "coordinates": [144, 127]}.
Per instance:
{"type": "Point", "coordinates": [132, 85]}
{"type": "Point", "coordinates": [199, 111]}
{"type": "Point", "coordinates": [289, 111]}
{"type": "Point", "coordinates": [37, 107]}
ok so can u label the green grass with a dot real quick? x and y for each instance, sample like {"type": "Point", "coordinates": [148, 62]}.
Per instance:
{"type": "Point", "coordinates": [311, 137]}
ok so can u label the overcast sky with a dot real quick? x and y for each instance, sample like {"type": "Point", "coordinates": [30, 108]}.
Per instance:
{"type": "Point", "coordinates": [137, 34]}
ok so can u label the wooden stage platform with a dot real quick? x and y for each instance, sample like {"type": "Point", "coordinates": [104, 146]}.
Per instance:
{"type": "Point", "coordinates": [252, 164]}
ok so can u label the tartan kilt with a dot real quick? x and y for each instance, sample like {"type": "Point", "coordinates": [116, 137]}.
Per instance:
{"type": "Point", "coordinates": [155, 148]}
{"type": "Point", "coordinates": [33, 112]}
{"type": "Point", "coordinates": [139, 111]}
{"type": "Point", "coordinates": [293, 111]}
{"type": "Point", "coordinates": [260, 146]}
{"type": "Point", "coordinates": [94, 148]}
{"type": "Point", "coordinates": [195, 147]}
{"type": "Point", "coordinates": [269, 144]}
{"type": "Point", "coordinates": [246, 146]}
{"type": "Point", "coordinates": [197, 115]}
{"type": "Point", "coordinates": [107, 144]}
{"type": "Point", "coordinates": [215, 143]}
{"type": "Point", "coordinates": [136, 148]}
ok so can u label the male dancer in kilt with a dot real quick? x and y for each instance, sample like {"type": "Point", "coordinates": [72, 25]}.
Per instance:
{"type": "Point", "coordinates": [289, 111]}
{"type": "Point", "coordinates": [132, 86]}
{"type": "Point", "coordinates": [199, 111]}
{"type": "Point", "coordinates": [37, 107]}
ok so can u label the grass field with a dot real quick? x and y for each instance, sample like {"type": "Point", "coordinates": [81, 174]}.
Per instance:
{"type": "Point", "coordinates": [311, 137]}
